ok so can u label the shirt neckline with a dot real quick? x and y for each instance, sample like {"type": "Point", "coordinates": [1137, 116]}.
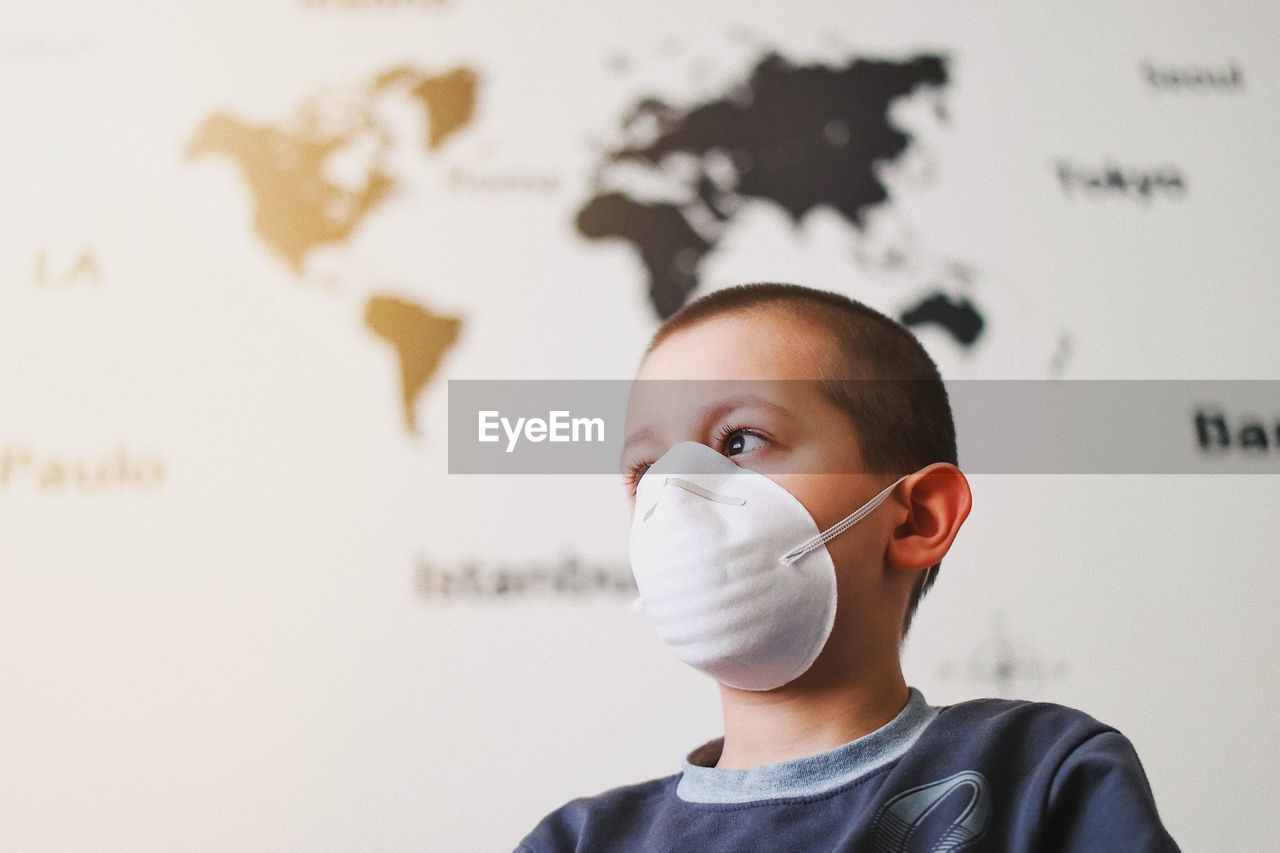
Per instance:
{"type": "Point", "coordinates": [804, 777]}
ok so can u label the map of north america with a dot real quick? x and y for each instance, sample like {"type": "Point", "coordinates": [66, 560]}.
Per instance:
{"type": "Point", "coordinates": [298, 207]}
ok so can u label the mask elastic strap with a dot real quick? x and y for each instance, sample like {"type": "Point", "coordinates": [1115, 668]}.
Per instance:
{"type": "Point", "coordinates": [841, 526]}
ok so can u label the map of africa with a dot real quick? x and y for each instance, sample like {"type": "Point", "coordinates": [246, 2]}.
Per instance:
{"type": "Point", "coordinates": [798, 137]}
{"type": "Point", "coordinates": [298, 207]}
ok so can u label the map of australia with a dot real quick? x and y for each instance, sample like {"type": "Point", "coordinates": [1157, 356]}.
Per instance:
{"type": "Point", "coordinates": [800, 137]}
{"type": "Point", "coordinates": [303, 198]}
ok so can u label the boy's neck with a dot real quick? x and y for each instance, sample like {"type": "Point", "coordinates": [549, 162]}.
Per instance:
{"type": "Point", "coordinates": [800, 719]}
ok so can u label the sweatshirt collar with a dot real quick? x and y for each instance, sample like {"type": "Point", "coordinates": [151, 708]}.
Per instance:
{"type": "Point", "coordinates": [803, 777]}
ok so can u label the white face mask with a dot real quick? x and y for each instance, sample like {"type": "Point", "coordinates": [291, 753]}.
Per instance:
{"type": "Point", "coordinates": [732, 569]}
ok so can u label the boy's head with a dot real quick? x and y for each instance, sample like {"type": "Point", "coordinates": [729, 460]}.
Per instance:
{"type": "Point", "coordinates": [844, 392]}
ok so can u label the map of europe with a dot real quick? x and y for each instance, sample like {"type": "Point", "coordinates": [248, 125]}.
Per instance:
{"type": "Point", "coordinates": [800, 137]}
{"type": "Point", "coordinates": [298, 207]}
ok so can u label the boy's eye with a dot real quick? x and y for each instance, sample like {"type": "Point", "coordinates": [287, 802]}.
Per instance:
{"type": "Point", "coordinates": [633, 475]}
{"type": "Point", "coordinates": [742, 441]}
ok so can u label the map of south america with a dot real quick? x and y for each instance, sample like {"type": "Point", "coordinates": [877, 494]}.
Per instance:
{"type": "Point", "coordinates": [420, 339]}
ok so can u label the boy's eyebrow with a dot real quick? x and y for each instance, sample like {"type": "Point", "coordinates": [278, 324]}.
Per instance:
{"type": "Point", "coordinates": [721, 408]}
{"type": "Point", "coordinates": [711, 412]}
{"type": "Point", "coordinates": [635, 438]}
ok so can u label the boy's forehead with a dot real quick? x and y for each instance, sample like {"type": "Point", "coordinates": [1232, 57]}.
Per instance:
{"type": "Point", "coordinates": [741, 363]}
{"type": "Point", "coordinates": [756, 345]}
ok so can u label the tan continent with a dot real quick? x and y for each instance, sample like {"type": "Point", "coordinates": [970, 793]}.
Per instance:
{"type": "Point", "coordinates": [449, 98]}
{"type": "Point", "coordinates": [420, 338]}
{"type": "Point", "coordinates": [295, 208]}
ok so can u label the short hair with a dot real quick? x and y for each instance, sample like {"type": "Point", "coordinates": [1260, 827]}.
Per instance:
{"type": "Point", "coordinates": [883, 378]}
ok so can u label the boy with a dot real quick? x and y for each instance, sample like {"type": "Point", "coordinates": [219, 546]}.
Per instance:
{"type": "Point", "coordinates": [789, 509]}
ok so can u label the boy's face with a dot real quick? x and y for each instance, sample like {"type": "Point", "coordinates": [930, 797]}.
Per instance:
{"type": "Point", "coordinates": [761, 417]}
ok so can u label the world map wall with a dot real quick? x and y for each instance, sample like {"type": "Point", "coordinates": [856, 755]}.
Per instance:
{"type": "Point", "coordinates": [247, 246]}
{"type": "Point", "coordinates": [784, 135]}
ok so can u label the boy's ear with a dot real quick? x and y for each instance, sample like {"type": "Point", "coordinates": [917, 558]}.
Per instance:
{"type": "Point", "coordinates": [938, 499]}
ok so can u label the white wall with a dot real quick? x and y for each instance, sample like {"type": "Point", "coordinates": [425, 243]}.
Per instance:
{"type": "Point", "coordinates": [226, 650]}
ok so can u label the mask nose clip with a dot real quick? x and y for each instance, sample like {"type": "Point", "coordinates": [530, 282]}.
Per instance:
{"type": "Point", "coordinates": [694, 488]}
{"type": "Point", "coordinates": [704, 493]}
